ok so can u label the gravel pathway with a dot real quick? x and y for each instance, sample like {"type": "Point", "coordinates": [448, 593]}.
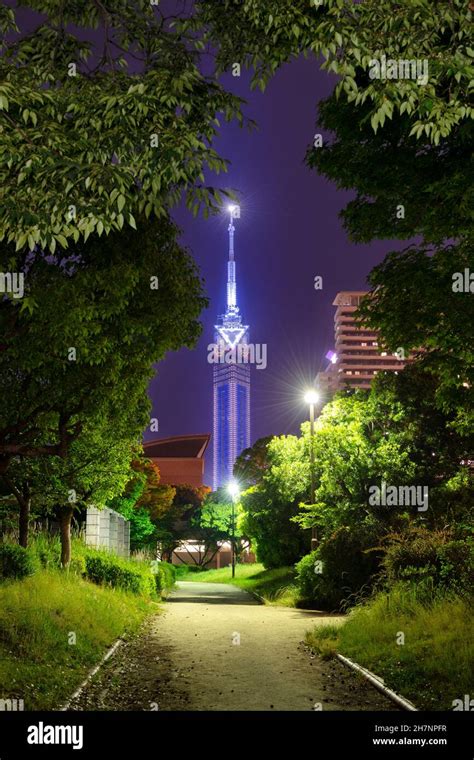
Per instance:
{"type": "Point", "coordinates": [216, 648]}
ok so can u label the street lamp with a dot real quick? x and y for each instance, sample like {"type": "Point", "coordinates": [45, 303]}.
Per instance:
{"type": "Point", "coordinates": [234, 491]}
{"type": "Point", "coordinates": [311, 397]}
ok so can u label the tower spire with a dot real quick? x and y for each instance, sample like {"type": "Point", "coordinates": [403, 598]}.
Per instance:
{"type": "Point", "coordinates": [231, 376]}
{"type": "Point", "coordinates": [231, 282]}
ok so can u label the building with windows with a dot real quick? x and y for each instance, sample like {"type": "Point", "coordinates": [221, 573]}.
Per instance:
{"type": "Point", "coordinates": [358, 355]}
{"type": "Point", "coordinates": [231, 378]}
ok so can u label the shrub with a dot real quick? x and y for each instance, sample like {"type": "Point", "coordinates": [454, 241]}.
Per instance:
{"type": "Point", "coordinates": [17, 562]}
{"type": "Point", "coordinates": [169, 574]}
{"type": "Point", "coordinates": [165, 576]}
{"type": "Point", "coordinates": [420, 553]}
{"type": "Point", "coordinates": [348, 566]}
{"type": "Point", "coordinates": [183, 570]}
{"type": "Point", "coordinates": [78, 565]}
{"type": "Point", "coordinates": [111, 570]}
{"type": "Point", "coordinates": [47, 548]}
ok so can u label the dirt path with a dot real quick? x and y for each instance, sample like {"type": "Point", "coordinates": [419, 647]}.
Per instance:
{"type": "Point", "coordinates": [216, 648]}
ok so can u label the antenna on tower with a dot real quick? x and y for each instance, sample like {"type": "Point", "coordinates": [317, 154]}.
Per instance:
{"type": "Point", "coordinates": [234, 212]}
{"type": "Point", "coordinates": [231, 229]}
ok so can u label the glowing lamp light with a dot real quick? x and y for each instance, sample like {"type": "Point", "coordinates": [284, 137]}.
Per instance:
{"type": "Point", "coordinates": [311, 397]}
{"type": "Point", "coordinates": [233, 489]}
{"type": "Point", "coordinates": [332, 356]}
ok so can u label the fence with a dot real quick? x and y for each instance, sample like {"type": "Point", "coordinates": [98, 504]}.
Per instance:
{"type": "Point", "coordinates": [107, 529]}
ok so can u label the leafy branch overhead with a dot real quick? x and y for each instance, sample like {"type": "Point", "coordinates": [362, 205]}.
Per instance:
{"type": "Point", "coordinates": [349, 36]}
{"type": "Point", "coordinates": [104, 116]}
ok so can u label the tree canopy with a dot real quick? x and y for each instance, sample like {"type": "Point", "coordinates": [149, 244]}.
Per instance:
{"type": "Point", "coordinates": [391, 170]}
{"type": "Point", "coordinates": [350, 36]}
{"type": "Point", "coordinates": [84, 337]}
{"type": "Point", "coordinates": [415, 302]}
{"type": "Point", "coordinates": [105, 116]}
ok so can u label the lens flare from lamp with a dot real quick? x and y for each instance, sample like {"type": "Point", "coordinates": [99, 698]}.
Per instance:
{"type": "Point", "coordinates": [311, 397]}
{"type": "Point", "coordinates": [233, 489]}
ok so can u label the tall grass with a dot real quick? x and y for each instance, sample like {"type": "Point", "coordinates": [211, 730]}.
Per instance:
{"type": "Point", "coordinates": [434, 665]}
{"type": "Point", "coordinates": [54, 626]}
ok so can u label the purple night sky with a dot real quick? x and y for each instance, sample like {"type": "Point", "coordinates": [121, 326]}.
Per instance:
{"type": "Point", "coordinates": [288, 233]}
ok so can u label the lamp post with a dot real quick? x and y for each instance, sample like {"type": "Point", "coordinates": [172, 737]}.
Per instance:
{"type": "Point", "coordinates": [233, 489]}
{"type": "Point", "coordinates": [312, 397]}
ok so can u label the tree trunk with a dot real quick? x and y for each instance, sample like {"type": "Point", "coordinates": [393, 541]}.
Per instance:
{"type": "Point", "coordinates": [23, 497]}
{"type": "Point", "coordinates": [65, 517]}
{"type": "Point", "coordinates": [24, 521]}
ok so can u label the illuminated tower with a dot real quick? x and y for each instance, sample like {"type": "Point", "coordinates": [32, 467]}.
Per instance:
{"type": "Point", "coordinates": [231, 375]}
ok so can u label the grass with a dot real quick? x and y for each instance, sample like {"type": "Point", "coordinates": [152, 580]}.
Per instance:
{"type": "Point", "coordinates": [55, 625]}
{"type": "Point", "coordinates": [274, 586]}
{"type": "Point", "coordinates": [40, 616]}
{"type": "Point", "coordinates": [433, 667]}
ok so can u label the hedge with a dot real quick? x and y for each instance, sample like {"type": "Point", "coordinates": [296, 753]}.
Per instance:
{"type": "Point", "coordinates": [110, 570]}
{"type": "Point", "coordinates": [16, 562]}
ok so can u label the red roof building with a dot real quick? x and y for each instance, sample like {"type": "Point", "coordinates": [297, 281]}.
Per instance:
{"type": "Point", "coordinates": [180, 459]}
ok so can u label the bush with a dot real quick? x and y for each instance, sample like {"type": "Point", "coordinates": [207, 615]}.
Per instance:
{"type": "Point", "coordinates": [16, 562]}
{"type": "Point", "coordinates": [165, 576]}
{"type": "Point", "coordinates": [78, 565]}
{"type": "Point", "coordinates": [169, 573]}
{"type": "Point", "coordinates": [113, 571]}
{"type": "Point", "coordinates": [348, 566]}
{"type": "Point", "coordinates": [47, 548]}
{"type": "Point", "coordinates": [183, 570]}
{"type": "Point", "coordinates": [420, 553]}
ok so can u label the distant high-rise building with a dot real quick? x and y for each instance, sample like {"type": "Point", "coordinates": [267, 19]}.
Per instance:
{"type": "Point", "coordinates": [231, 377]}
{"type": "Point", "coordinates": [358, 357]}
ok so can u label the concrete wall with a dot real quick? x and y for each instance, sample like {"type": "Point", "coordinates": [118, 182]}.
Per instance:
{"type": "Point", "coordinates": [107, 529]}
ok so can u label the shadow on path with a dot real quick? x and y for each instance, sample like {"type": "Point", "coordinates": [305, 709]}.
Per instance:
{"type": "Point", "coordinates": [210, 593]}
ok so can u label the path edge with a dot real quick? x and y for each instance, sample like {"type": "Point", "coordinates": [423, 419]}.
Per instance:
{"type": "Point", "coordinates": [378, 683]}
{"type": "Point", "coordinates": [91, 674]}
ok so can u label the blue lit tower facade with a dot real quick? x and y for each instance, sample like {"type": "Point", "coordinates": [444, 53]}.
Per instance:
{"type": "Point", "coordinates": [231, 376]}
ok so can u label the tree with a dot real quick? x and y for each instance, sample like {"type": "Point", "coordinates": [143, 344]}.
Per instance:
{"type": "Point", "coordinates": [143, 500]}
{"type": "Point", "coordinates": [176, 522]}
{"type": "Point", "coordinates": [95, 470]}
{"type": "Point", "coordinates": [252, 463]}
{"type": "Point", "coordinates": [405, 187]}
{"type": "Point", "coordinates": [23, 479]}
{"type": "Point", "coordinates": [269, 506]}
{"type": "Point", "coordinates": [210, 525]}
{"type": "Point", "coordinates": [415, 302]}
{"type": "Point", "coordinates": [105, 119]}
{"type": "Point", "coordinates": [350, 37]}
{"type": "Point", "coordinates": [112, 316]}
{"type": "Point", "coordinates": [394, 434]}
